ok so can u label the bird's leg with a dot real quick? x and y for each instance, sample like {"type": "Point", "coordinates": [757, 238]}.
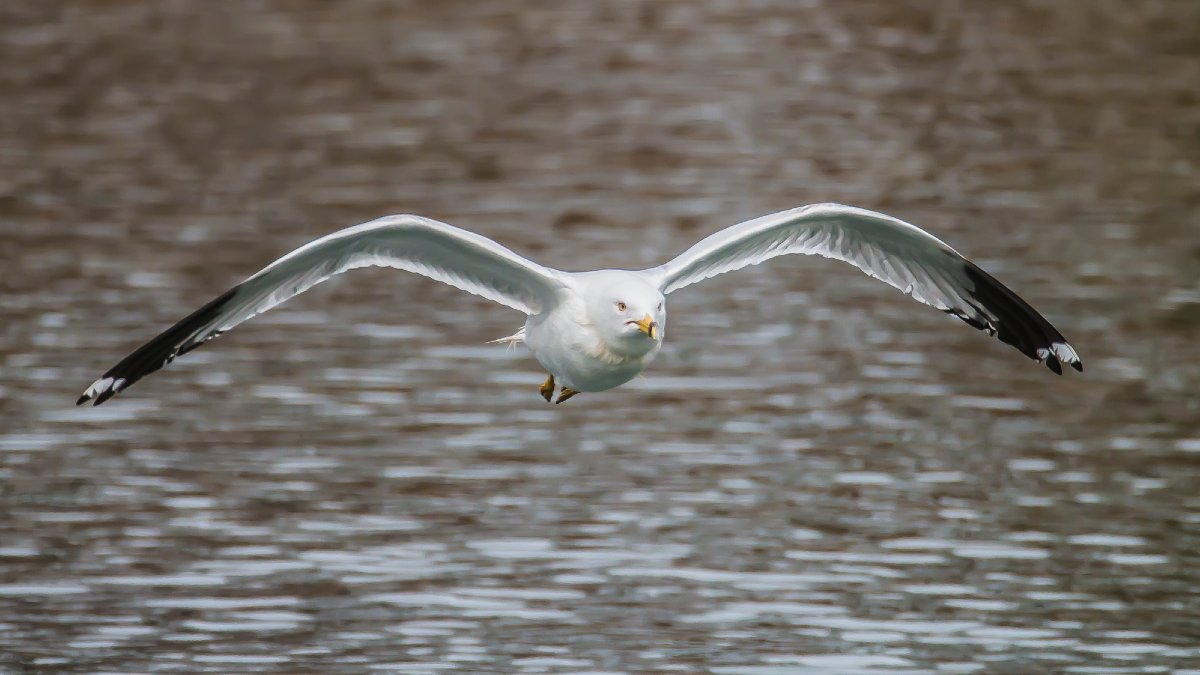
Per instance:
{"type": "Point", "coordinates": [565, 394]}
{"type": "Point", "coordinates": [547, 388]}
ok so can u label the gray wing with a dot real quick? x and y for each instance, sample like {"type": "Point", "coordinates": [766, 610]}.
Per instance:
{"type": "Point", "coordinates": [448, 254]}
{"type": "Point", "coordinates": [886, 248]}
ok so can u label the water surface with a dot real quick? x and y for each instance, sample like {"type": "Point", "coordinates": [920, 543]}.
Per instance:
{"type": "Point", "coordinates": [816, 476]}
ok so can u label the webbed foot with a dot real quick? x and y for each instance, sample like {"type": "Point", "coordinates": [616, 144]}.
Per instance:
{"type": "Point", "coordinates": [547, 388]}
{"type": "Point", "coordinates": [564, 395]}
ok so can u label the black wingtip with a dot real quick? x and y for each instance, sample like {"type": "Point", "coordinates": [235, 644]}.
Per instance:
{"type": "Point", "coordinates": [160, 351]}
{"type": "Point", "coordinates": [1016, 323]}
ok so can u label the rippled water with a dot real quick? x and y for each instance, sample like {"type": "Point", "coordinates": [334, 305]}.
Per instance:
{"type": "Point", "coordinates": [816, 476]}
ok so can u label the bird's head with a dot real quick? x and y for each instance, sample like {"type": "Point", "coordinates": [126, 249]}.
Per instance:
{"type": "Point", "coordinates": [628, 313]}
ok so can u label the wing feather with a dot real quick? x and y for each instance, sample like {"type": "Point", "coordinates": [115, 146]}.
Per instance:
{"type": "Point", "coordinates": [898, 253]}
{"type": "Point", "coordinates": [448, 254]}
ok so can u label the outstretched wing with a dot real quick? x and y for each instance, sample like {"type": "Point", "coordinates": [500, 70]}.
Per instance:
{"type": "Point", "coordinates": [448, 254]}
{"type": "Point", "coordinates": [886, 248]}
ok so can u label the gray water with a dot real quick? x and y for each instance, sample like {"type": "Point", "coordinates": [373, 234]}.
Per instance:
{"type": "Point", "coordinates": [816, 476]}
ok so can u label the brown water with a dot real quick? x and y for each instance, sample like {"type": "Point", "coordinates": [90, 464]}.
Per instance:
{"type": "Point", "coordinates": [816, 476]}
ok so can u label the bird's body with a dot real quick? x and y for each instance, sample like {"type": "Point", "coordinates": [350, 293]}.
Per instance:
{"type": "Point", "coordinates": [565, 340]}
{"type": "Point", "coordinates": [593, 331]}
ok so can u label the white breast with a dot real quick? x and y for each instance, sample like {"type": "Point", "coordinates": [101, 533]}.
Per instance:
{"type": "Point", "coordinates": [564, 342]}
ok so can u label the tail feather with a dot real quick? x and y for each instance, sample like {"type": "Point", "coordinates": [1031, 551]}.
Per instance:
{"type": "Point", "coordinates": [511, 340]}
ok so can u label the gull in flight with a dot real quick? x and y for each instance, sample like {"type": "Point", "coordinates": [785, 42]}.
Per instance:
{"type": "Point", "coordinates": [596, 330]}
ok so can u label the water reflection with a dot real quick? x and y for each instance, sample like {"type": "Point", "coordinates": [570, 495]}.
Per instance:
{"type": "Point", "coordinates": [845, 484]}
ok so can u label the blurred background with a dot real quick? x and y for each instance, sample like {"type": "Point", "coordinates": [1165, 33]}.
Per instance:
{"type": "Point", "coordinates": [817, 475]}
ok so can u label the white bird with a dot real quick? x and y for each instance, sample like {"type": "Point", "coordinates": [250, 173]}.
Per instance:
{"type": "Point", "coordinates": [596, 330]}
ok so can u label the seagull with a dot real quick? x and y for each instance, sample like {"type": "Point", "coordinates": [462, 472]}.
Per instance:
{"type": "Point", "coordinates": [596, 330]}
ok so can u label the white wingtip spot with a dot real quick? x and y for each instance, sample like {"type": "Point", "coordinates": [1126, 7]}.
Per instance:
{"type": "Point", "coordinates": [1064, 352]}
{"type": "Point", "coordinates": [99, 387]}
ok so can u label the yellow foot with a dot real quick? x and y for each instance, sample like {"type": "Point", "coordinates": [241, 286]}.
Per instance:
{"type": "Point", "coordinates": [547, 388]}
{"type": "Point", "coordinates": [564, 395]}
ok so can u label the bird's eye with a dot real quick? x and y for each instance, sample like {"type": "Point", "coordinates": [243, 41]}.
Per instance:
{"type": "Point", "coordinates": [660, 306]}
{"type": "Point", "coordinates": [621, 307]}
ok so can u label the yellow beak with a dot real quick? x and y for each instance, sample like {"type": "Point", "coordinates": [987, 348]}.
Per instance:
{"type": "Point", "coordinates": [648, 325]}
